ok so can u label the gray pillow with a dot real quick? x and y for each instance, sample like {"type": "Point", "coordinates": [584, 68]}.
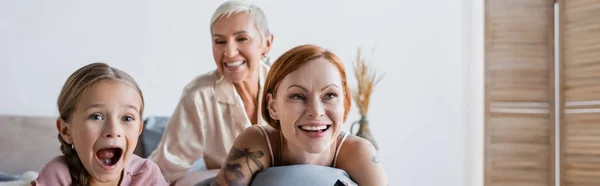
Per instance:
{"type": "Point", "coordinates": [297, 175]}
{"type": "Point", "coordinates": [300, 175]}
{"type": "Point", "coordinates": [154, 128]}
{"type": "Point", "coordinates": [7, 177]}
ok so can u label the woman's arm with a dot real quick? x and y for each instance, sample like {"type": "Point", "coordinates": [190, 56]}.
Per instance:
{"type": "Point", "coordinates": [248, 155]}
{"type": "Point", "coordinates": [359, 158]}
{"type": "Point", "coordinates": [183, 139]}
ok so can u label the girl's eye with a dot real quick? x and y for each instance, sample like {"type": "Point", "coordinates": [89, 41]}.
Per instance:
{"type": "Point", "coordinates": [127, 118]}
{"type": "Point", "coordinates": [242, 39]}
{"type": "Point", "coordinates": [96, 117]}
{"type": "Point", "coordinates": [219, 42]}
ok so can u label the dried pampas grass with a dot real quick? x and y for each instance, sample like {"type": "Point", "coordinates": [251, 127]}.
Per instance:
{"type": "Point", "coordinates": [366, 78]}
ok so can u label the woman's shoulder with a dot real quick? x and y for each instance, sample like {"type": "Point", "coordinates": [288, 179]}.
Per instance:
{"type": "Point", "coordinates": [359, 158]}
{"type": "Point", "coordinates": [253, 139]}
{"type": "Point", "coordinates": [202, 81]}
{"type": "Point", "coordinates": [356, 148]}
{"type": "Point", "coordinates": [255, 132]}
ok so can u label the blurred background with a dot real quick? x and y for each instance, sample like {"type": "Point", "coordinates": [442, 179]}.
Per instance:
{"type": "Point", "coordinates": [426, 114]}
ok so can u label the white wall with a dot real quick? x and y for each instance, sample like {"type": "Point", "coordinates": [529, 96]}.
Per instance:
{"type": "Point", "coordinates": [420, 111]}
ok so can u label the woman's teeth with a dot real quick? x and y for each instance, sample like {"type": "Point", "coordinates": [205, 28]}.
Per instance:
{"type": "Point", "coordinates": [234, 64]}
{"type": "Point", "coordinates": [313, 128]}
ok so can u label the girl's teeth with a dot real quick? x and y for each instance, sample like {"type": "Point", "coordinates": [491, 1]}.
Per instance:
{"type": "Point", "coordinates": [314, 128]}
{"type": "Point", "coordinates": [107, 161]}
{"type": "Point", "coordinates": [234, 64]}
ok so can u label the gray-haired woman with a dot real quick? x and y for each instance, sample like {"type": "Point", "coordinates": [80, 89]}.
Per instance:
{"type": "Point", "coordinates": [217, 106]}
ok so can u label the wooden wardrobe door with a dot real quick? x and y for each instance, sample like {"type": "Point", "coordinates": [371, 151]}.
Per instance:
{"type": "Point", "coordinates": [580, 92]}
{"type": "Point", "coordinates": [519, 92]}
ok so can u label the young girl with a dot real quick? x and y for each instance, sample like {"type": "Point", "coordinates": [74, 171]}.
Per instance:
{"type": "Point", "coordinates": [100, 121]}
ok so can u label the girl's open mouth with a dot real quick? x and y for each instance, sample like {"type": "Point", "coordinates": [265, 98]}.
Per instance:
{"type": "Point", "coordinates": [109, 157]}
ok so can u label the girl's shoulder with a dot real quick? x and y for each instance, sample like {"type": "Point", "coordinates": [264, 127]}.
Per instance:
{"type": "Point", "coordinates": [55, 172]}
{"type": "Point", "coordinates": [138, 165]}
{"type": "Point", "coordinates": [142, 171]}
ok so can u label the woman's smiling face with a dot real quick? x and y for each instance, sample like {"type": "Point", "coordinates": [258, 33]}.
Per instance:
{"type": "Point", "coordinates": [309, 105]}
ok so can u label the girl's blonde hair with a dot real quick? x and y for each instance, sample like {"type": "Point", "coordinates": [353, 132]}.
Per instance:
{"type": "Point", "coordinates": [67, 100]}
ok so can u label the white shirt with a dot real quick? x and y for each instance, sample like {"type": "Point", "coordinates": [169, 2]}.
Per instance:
{"type": "Point", "coordinates": [208, 117]}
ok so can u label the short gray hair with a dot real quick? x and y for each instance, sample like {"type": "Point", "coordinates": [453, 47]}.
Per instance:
{"type": "Point", "coordinates": [238, 6]}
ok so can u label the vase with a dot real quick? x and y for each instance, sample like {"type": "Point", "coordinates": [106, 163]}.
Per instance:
{"type": "Point", "coordinates": [363, 130]}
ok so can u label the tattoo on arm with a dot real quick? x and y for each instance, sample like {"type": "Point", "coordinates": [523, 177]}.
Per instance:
{"type": "Point", "coordinates": [237, 154]}
{"type": "Point", "coordinates": [234, 175]}
{"type": "Point", "coordinates": [375, 159]}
